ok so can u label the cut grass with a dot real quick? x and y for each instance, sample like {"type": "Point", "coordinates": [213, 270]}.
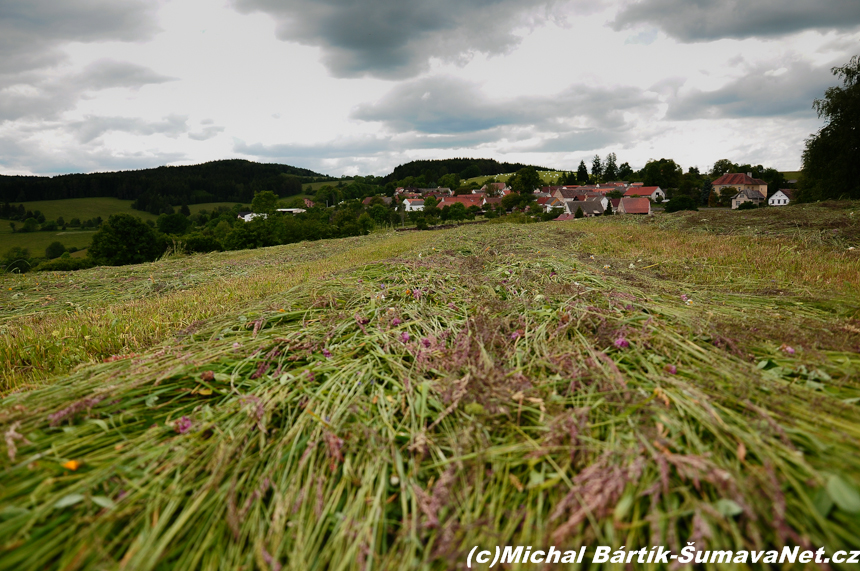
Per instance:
{"type": "Point", "coordinates": [409, 400]}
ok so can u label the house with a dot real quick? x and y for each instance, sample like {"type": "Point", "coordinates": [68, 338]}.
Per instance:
{"type": "Point", "coordinates": [309, 203]}
{"type": "Point", "coordinates": [747, 195]}
{"type": "Point", "coordinates": [615, 202]}
{"type": "Point", "coordinates": [655, 193]}
{"type": "Point", "coordinates": [413, 204]}
{"type": "Point", "coordinates": [604, 202]}
{"type": "Point", "coordinates": [740, 181]}
{"type": "Point", "coordinates": [248, 216]}
{"type": "Point", "coordinates": [781, 197]}
{"type": "Point", "coordinates": [494, 187]}
{"type": "Point", "coordinates": [565, 193]}
{"type": "Point", "coordinates": [491, 202]}
{"type": "Point", "coordinates": [639, 205]}
{"type": "Point", "coordinates": [564, 217]}
{"type": "Point", "coordinates": [589, 208]}
{"type": "Point", "coordinates": [385, 199]}
{"type": "Point", "coordinates": [292, 211]}
{"type": "Point", "coordinates": [547, 203]}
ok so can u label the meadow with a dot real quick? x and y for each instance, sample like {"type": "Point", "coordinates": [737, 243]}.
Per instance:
{"type": "Point", "coordinates": [393, 400]}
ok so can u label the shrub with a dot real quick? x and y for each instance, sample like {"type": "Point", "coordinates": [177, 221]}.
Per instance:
{"type": "Point", "coordinates": [749, 205]}
{"type": "Point", "coordinates": [54, 250]}
{"type": "Point", "coordinates": [202, 243]}
{"type": "Point", "coordinates": [681, 203]}
{"type": "Point", "coordinates": [66, 264]}
{"type": "Point", "coordinates": [124, 239]}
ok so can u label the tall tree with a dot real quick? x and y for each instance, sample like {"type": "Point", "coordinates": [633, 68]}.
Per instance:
{"type": "Point", "coordinates": [664, 173]}
{"type": "Point", "coordinates": [526, 180]}
{"type": "Point", "coordinates": [831, 160]}
{"type": "Point", "coordinates": [624, 171]}
{"type": "Point", "coordinates": [610, 168]}
{"type": "Point", "coordinates": [596, 168]}
{"type": "Point", "coordinates": [582, 173]}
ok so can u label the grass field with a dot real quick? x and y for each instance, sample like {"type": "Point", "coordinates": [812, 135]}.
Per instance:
{"type": "Point", "coordinates": [392, 401]}
{"type": "Point", "coordinates": [548, 177]}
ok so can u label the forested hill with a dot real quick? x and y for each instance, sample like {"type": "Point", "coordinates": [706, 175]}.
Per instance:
{"type": "Point", "coordinates": [218, 181]}
{"type": "Point", "coordinates": [466, 168]}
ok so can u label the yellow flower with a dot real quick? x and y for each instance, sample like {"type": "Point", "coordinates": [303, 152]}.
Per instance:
{"type": "Point", "coordinates": [72, 465]}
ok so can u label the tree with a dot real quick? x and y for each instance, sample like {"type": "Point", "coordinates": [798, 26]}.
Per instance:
{"type": "Point", "coordinates": [12, 227]}
{"type": "Point", "coordinates": [76, 222]}
{"type": "Point", "coordinates": [624, 171]}
{"type": "Point", "coordinates": [456, 211]}
{"type": "Point", "coordinates": [608, 210]}
{"type": "Point", "coordinates": [61, 222]}
{"type": "Point", "coordinates": [722, 167]}
{"type": "Point", "coordinates": [682, 203]}
{"type": "Point", "coordinates": [596, 168]}
{"type": "Point", "coordinates": [173, 223]}
{"type": "Point", "coordinates": [184, 210]}
{"type": "Point", "coordinates": [610, 169]}
{"type": "Point", "coordinates": [526, 180]}
{"type": "Point", "coordinates": [582, 173]}
{"type": "Point", "coordinates": [579, 213]}
{"type": "Point", "coordinates": [30, 225]}
{"type": "Point", "coordinates": [124, 239]}
{"type": "Point", "coordinates": [451, 180]}
{"type": "Point", "coordinates": [831, 159]}
{"type": "Point", "coordinates": [664, 173]}
{"type": "Point", "coordinates": [54, 250]}
{"type": "Point", "coordinates": [265, 202]}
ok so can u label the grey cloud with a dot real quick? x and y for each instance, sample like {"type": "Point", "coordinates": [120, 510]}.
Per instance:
{"type": "Point", "coordinates": [707, 20]}
{"type": "Point", "coordinates": [758, 94]}
{"type": "Point", "coordinates": [93, 127]}
{"type": "Point", "coordinates": [44, 98]}
{"type": "Point", "coordinates": [206, 133]}
{"type": "Point", "coordinates": [448, 105]}
{"type": "Point", "coordinates": [31, 31]}
{"type": "Point", "coordinates": [396, 38]}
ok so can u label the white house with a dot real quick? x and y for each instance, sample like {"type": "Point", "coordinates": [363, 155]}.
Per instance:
{"type": "Point", "coordinates": [655, 193]}
{"type": "Point", "coordinates": [413, 204]}
{"type": "Point", "coordinates": [780, 198]}
{"type": "Point", "coordinates": [248, 216]}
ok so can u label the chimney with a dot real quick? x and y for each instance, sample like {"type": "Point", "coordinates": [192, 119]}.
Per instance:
{"type": "Point", "coordinates": [749, 174]}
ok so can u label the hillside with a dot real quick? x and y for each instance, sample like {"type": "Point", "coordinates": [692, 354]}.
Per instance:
{"type": "Point", "coordinates": [218, 181]}
{"type": "Point", "coordinates": [466, 168]}
{"type": "Point", "coordinates": [365, 402]}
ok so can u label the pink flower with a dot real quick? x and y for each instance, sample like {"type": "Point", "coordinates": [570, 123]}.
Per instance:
{"type": "Point", "coordinates": [416, 294]}
{"type": "Point", "coordinates": [404, 337]}
{"type": "Point", "coordinates": [671, 369]}
{"type": "Point", "coordinates": [622, 343]}
{"type": "Point", "coordinates": [515, 335]}
{"type": "Point", "coordinates": [426, 343]}
{"type": "Point", "coordinates": [182, 425]}
{"type": "Point", "coordinates": [683, 297]}
{"type": "Point", "coordinates": [396, 321]}
{"type": "Point", "coordinates": [787, 349]}
{"type": "Point", "coordinates": [327, 353]}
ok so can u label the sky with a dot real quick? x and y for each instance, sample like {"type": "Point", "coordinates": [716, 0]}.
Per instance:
{"type": "Point", "coordinates": [357, 87]}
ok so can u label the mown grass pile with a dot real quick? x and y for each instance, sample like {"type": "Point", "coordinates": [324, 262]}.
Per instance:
{"type": "Point", "coordinates": [517, 385]}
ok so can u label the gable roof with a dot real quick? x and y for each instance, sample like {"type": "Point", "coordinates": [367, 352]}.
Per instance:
{"type": "Point", "coordinates": [737, 178]}
{"type": "Point", "coordinates": [751, 194]}
{"type": "Point", "coordinates": [789, 193]}
{"type": "Point", "coordinates": [642, 191]}
{"type": "Point", "coordinates": [466, 200]}
{"type": "Point", "coordinates": [636, 205]}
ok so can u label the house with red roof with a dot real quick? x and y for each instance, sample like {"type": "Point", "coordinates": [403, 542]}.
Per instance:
{"type": "Point", "coordinates": [413, 204]}
{"type": "Point", "coordinates": [740, 181]}
{"type": "Point", "coordinates": [781, 197]}
{"type": "Point", "coordinates": [653, 192]}
{"type": "Point", "coordinates": [547, 203]}
{"type": "Point", "coordinates": [640, 205]}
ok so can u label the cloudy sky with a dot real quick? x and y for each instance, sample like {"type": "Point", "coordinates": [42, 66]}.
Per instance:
{"type": "Point", "coordinates": [360, 86]}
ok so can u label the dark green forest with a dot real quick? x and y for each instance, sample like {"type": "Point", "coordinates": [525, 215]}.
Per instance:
{"type": "Point", "coordinates": [153, 189]}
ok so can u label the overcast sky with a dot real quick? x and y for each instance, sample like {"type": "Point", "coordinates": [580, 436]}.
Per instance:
{"type": "Point", "coordinates": [360, 86]}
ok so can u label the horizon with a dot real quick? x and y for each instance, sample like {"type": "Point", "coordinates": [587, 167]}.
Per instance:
{"type": "Point", "coordinates": [346, 90]}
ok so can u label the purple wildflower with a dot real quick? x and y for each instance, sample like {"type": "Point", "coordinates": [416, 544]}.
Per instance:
{"type": "Point", "coordinates": [182, 425]}
{"type": "Point", "coordinates": [236, 345]}
{"type": "Point", "coordinates": [426, 343]}
{"type": "Point", "coordinates": [311, 376]}
{"type": "Point", "coordinates": [396, 321]}
{"type": "Point", "coordinates": [552, 274]}
{"type": "Point", "coordinates": [404, 337]}
{"type": "Point", "coordinates": [452, 306]}
{"type": "Point", "coordinates": [416, 294]}
{"type": "Point", "coordinates": [327, 353]}
{"type": "Point", "coordinates": [671, 369]}
{"type": "Point", "coordinates": [787, 349]}
{"type": "Point", "coordinates": [684, 297]}
{"type": "Point", "coordinates": [622, 343]}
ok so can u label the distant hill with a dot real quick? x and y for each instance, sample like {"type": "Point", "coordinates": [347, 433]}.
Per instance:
{"type": "Point", "coordinates": [233, 180]}
{"type": "Point", "coordinates": [466, 168]}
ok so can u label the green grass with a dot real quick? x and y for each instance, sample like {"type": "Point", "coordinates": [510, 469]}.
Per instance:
{"type": "Point", "coordinates": [85, 208]}
{"type": "Point", "coordinates": [36, 242]}
{"type": "Point", "coordinates": [548, 177]}
{"type": "Point", "coordinates": [391, 401]}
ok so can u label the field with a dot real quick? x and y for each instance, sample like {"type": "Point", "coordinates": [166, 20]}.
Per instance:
{"type": "Point", "coordinates": [548, 177]}
{"type": "Point", "coordinates": [392, 401]}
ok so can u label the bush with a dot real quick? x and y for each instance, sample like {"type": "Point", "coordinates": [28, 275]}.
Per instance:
{"type": "Point", "coordinates": [49, 226]}
{"type": "Point", "coordinates": [202, 243]}
{"type": "Point", "coordinates": [66, 264]}
{"type": "Point", "coordinates": [681, 203]}
{"type": "Point", "coordinates": [173, 223]}
{"type": "Point", "coordinates": [749, 205]}
{"type": "Point", "coordinates": [124, 239]}
{"type": "Point", "coordinates": [16, 260]}
{"type": "Point", "coordinates": [54, 250]}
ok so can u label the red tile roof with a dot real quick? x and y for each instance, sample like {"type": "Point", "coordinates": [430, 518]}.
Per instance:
{"type": "Point", "coordinates": [465, 200]}
{"type": "Point", "coordinates": [636, 205]}
{"type": "Point", "coordinates": [737, 178]}
{"type": "Point", "coordinates": [641, 191]}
